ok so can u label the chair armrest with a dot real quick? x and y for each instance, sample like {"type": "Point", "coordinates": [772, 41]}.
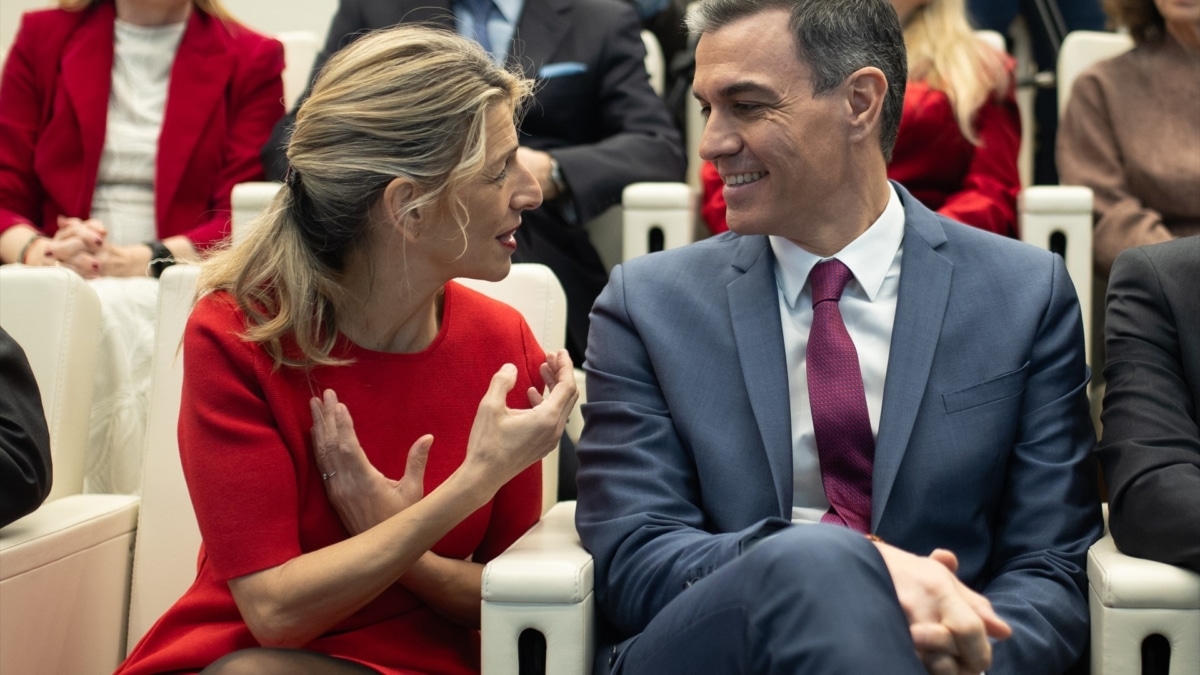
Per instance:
{"type": "Point", "coordinates": [64, 585]}
{"type": "Point", "coordinates": [649, 208]}
{"type": "Point", "coordinates": [247, 201]}
{"type": "Point", "coordinates": [1124, 581]}
{"type": "Point", "coordinates": [543, 582]}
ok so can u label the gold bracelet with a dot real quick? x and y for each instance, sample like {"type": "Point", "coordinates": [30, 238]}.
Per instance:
{"type": "Point", "coordinates": [25, 249]}
{"type": "Point", "coordinates": [875, 538]}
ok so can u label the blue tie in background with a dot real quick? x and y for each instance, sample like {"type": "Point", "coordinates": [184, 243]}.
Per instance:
{"type": "Point", "coordinates": [480, 11]}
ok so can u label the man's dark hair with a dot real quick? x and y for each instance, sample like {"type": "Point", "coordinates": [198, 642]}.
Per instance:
{"type": "Point", "coordinates": [833, 38]}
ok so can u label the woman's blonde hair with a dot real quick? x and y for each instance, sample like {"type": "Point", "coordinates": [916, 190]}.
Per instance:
{"type": "Point", "coordinates": [944, 51]}
{"type": "Point", "coordinates": [213, 8]}
{"type": "Point", "coordinates": [407, 102]}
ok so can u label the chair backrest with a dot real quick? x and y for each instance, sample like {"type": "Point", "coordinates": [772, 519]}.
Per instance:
{"type": "Point", "coordinates": [535, 292]}
{"type": "Point", "coordinates": [168, 539]}
{"type": "Point", "coordinates": [656, 62]}
{"type": "Point", "coordinates": [246, 202]}
{"type": "Point", "coordinates": [1081, 49]}
{"type": "Point", "coordinates": [300, 49]}
{"type": "Point", "coordinates": [993, 39]}
{"type": "Point", "coordinates": [55, 316]}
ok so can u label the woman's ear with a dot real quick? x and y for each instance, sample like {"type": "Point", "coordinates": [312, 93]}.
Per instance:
{"type": "Point", "coordinates": [867, 88]}
{"type": "Point", "coordinates": [397, 204]}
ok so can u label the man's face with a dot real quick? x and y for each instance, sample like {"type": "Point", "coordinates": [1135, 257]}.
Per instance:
{"type": "Point", "coordinates": [780, 152]}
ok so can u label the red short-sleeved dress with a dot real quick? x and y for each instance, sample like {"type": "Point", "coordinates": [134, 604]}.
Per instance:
{"type": "Point", "coordinates": [244, 436]}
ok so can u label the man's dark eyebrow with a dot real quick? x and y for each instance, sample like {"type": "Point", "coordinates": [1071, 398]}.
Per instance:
{"type": "Point", "coordinates": [739, 88]}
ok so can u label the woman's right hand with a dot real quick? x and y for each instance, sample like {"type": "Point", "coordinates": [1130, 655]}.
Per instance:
{"type": "Point", "coordinates": [504, 441]}
{"type": "Point", "coordinates": [362, 496]}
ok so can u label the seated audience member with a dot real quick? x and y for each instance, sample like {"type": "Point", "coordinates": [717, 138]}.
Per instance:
{"type": "Point", "coordinates": [804, 436]}
{"type": "Point", "coordinates": [25, 467]}
{"type": "Point", "coordinates": [594, 126]}
{"type": "Point", "coordinates": [124, 125]}
{"type": "Point", "coordinates": [1047, 22]}
{"type": "Point", "coordinates": [1131, 132]}
{"type": "Point", "coordinates": [1150, 449]}
{"type": "Point", "coordinates": [322, 555]}
{"type": "Point", "coordinates": [960, 131]}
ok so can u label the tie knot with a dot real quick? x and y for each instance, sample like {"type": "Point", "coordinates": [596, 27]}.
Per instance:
{"type": "Point", "coordinates": [828, 279]}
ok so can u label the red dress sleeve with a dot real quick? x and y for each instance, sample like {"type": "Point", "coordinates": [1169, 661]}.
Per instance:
{"type": "Point", "coordinates": [240, 474]}
{"type": "Point", "coordinates": [518, 505]}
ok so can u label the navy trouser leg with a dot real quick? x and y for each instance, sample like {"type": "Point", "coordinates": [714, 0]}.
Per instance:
{"type": "Point", "coordinates": [811, 599]}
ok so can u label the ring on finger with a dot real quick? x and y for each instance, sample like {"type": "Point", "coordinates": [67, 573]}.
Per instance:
{"type": "Point", "coordinates": [327, 476]}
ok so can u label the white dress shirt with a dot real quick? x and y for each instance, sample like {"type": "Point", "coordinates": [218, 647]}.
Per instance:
{"type": "Point", "coordinates": [868, 307]}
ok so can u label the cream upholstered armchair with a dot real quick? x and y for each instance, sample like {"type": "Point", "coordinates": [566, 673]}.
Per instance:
{"type": "Point", "coordinates": [64, 569]}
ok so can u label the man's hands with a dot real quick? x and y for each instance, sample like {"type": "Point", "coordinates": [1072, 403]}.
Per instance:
{"type": "Point", "coordinates": [950, 623]}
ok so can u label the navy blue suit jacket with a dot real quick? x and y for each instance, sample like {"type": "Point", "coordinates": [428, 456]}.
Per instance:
{"type": "Point", "coordinates": [984, 443]}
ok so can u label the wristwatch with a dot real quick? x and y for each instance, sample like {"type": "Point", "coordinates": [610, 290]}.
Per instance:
{"type": "Point", "coordinates": [556, 177]}
{"type": "Point", "coordinates": [160, 258]}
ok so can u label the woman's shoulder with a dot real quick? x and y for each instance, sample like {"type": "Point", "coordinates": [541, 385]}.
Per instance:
{"type": "Point", "coordinates": [49, 29]}
{"type": "Point", "coordinates": [478, 307]}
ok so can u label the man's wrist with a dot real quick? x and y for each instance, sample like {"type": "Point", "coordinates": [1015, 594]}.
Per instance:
{"type": "Point", "coordinates": [556, 177]}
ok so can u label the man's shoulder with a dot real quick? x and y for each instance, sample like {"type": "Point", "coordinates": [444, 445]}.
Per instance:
{"type": "Point", "coordinates": [702, 261]}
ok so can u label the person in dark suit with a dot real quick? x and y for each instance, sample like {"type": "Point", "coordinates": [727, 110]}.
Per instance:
{"type": "Point", "coordinates": [25, 466]}
{"type": "Point", "coordinates": [595, 125]}
{"type": "Point", "coordinates": [754, 429]}
{"type": "Point", "coordinates": [1150, 447]}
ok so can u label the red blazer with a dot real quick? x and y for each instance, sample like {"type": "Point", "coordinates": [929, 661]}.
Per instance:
{"type": "Point", "coordinates": [973, 184]}
{"type": "Point", "coordinates": [225, 95]}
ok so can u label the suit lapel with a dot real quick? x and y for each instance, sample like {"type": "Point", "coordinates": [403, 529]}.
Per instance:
{"type": "Point", "coordinates": [542, 25]}
{"type": "Point", "coordinates": [202, 69]}
{"type": "Point", "coordinates": [924, 291]}
{"type": "Point", "coordinates": [87, 79]}
{"type": "Point", "coordinates": [758, 333]}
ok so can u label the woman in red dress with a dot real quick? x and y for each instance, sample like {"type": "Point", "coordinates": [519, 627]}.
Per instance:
{"type": "Point", "coordinates": [334, 545]}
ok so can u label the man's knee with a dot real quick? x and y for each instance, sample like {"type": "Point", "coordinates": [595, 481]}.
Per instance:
{"type": "Point", "coordinates": [810, 558]}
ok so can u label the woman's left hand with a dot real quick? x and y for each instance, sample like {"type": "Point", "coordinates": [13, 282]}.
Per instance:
{"type": "Point", "coordinates": [362, 496]}
{"type": "Point", "coordinates": [124, 261]}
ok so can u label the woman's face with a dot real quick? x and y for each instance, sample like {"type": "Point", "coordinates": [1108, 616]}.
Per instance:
{"type": "Point", "coordinates": [904, 8]}
{"type": "Point", "coordinates": [1181, 13]}
{"type": "Point", "coordinates": [493, 203]}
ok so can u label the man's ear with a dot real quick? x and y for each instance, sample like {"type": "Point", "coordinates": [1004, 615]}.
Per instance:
{"type": "Point", "coordinates": [397, 201]}
{"type": "Point", "coordinates": [866, 90]}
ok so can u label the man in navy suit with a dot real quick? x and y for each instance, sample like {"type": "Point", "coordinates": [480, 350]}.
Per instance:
{"type": "Point", "coordinates": [929, 407]}
{"type": "Point", "coordinates": [594, 126]}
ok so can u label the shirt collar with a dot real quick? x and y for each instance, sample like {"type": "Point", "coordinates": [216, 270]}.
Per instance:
{"type": "Point", "coordinates": [510, 10]}
{"type": "Point", "coordinates": [869, 256]}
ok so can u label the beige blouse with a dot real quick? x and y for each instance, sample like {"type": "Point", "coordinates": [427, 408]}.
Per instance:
{"type": "Point", "coordinates": [1131, 133]}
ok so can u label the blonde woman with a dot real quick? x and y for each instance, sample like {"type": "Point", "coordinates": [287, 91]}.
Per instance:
{"type": "Point", "coordinates": [124, 125]}
{"type": "Point", "coordinates": [960, 131]}
{"type": "Point", "coordinates": [340, 545]}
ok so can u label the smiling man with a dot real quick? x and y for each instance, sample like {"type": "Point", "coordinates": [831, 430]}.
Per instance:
{"type": "Point", "coordinates": [851, 435]}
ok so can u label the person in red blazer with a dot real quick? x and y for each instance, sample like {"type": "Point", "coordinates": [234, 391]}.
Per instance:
{"type": "Point", "coordinates": [224, 95]}
{"type": "Point", "coordinates": [960, 131]}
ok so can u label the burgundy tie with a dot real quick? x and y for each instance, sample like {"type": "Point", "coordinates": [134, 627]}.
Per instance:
{"type": "Point", "coordinates": [845, 446]}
